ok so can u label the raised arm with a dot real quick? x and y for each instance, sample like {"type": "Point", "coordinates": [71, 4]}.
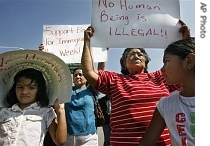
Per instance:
{"type": "Point", "coordinates": [87, 61]}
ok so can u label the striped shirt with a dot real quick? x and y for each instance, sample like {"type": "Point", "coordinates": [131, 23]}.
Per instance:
{"type": "Point", "coordinates": [133, 101]}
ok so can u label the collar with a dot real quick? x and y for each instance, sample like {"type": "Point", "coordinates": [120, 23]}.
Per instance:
{"type": "Point", "coordinates": [78, 90]}
{"type": "Point", "coordinates": [35, 106]}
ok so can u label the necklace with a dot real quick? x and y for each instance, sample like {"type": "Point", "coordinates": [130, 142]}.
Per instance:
{"type": "Point", "coordinates": [191, 106]}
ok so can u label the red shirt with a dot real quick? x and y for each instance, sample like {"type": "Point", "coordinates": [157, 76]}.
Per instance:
{"type": "Point", "coordinates": [133, 101]}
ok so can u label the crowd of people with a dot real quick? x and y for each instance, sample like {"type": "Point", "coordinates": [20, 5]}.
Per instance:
{"type": "Point", "coordinates": [156, 108]}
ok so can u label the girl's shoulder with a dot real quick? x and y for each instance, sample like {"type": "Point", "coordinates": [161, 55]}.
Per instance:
{"type": "Point", "coordinates": [171, 98]}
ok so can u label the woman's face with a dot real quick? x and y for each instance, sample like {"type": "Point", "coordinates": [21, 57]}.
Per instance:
{"type": "Point", "coordinates": [79, 79]}
{"type": "Point", "coordinates": [26, 92]}
{"type": "Point", "coordinates": [135, 61]}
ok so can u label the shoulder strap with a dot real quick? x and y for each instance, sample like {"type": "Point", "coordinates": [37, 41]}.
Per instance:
{"type": "Point", "coordinates": [93, 91]}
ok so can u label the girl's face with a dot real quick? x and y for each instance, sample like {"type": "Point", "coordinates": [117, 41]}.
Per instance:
{"type": "Point", "coordinates": [79, 79]}
{"type": "Point", "coordinates": [135, 61]}
{"type": "Point", "coordinates": [174, 69]}
{"type": "Point", "coordinates": [26, 92]}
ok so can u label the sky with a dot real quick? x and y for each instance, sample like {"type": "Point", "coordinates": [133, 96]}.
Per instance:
{"type": "Point", "coordinates": [21, 25]}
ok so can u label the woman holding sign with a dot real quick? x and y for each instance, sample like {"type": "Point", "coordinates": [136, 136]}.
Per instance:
{"type": "Point", "coordinates": [133, 94]}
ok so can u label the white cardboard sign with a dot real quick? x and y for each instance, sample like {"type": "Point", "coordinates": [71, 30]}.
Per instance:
{"type": "Point", "coordinates": [135, 23]}
{"type": "Point", "coordinates": [66, 42]}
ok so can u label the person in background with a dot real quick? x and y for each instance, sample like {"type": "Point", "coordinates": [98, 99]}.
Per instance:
{"type": "Point", "coordinates": [41, 47]}
{"type": "Point", "coordinates": [177, 111]}
{"type": "Point", "coordinates": [81, 126]}
{"type": "Point", "coordinates": [27, 117]}
{"type": "Point", "coordinates": [133, 94]}
{"type": "Point", "coordinates": [106, 109]}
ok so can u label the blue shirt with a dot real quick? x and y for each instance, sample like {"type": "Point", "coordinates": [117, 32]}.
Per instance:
{"type": "Point", "coordinates": [80, 115]}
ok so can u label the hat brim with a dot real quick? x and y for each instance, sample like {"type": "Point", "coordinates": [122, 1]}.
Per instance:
{"type": "Point", "coordinates": [56, 73]}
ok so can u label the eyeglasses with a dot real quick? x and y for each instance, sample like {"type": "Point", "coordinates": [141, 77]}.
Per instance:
{"type": "Point", "coordinates": [131, 54]}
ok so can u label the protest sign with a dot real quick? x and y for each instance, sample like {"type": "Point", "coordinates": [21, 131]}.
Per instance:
{"type": "Point", "coordinates": [66, 42]}
{"type": "Point", "coordinates": [135, 23]}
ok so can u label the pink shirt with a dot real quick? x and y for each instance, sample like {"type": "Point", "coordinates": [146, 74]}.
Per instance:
{"type": "Point", "coordinates": [24, 127]}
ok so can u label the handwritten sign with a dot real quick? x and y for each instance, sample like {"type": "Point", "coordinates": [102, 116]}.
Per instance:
{"type": "Point", "coordinates": [135, 23]}
{"type": "Point", "coordinates": [66, 42]}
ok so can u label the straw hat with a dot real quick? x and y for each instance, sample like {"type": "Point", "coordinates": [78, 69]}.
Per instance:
{"type": "Point", "coordinates": [56, 73]}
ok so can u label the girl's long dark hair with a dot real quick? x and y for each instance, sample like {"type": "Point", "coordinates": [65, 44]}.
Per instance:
{"type": "Point", "coordinates": [35, 75]}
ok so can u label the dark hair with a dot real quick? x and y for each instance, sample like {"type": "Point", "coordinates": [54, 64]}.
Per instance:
{"type": "Point", "coordinates": [77, 68]}
{"type": "Point", "coordinates": [124, 70]}
{"type": "Point", "coordinates": [88, 85]}
{"type": "Point", "coordinates": [35, 75]}
{"type": "Point", "coordinates": [181, 48]}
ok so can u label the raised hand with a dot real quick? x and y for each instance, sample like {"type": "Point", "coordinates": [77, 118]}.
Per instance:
{"type": "Point", "coordinates": [58, 106]}
{"type": "Point", "coordinates": [184, 30]}
{"type": "Point", "coordinates": [88, 33]}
